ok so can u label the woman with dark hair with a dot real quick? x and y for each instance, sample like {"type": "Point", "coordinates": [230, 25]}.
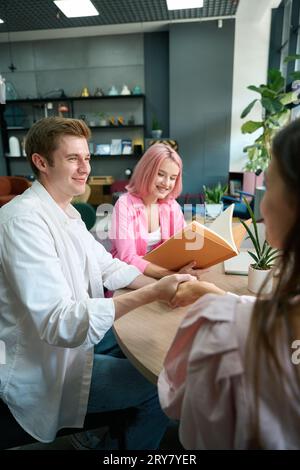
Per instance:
{"type": "Point", "coordinates": [232, 375]}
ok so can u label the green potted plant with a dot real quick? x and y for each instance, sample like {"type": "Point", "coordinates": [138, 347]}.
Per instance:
{"type": "Point", "coordinates": [275, 112]}
{"type": "Point", "coordinates": [156, 131]}
{"type": "Point", "coordinates": [213, 200]}
{"type": "Point", "coordinates": [264, 256]}
{"type": "Point", "coordinates": [103, 119]}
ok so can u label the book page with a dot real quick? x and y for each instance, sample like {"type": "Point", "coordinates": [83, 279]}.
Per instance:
{"type": "Point", "coordinates": [222, 225]}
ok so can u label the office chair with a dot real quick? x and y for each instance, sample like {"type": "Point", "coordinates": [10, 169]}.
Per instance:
{"type": "Point", "coordinates": [87, 212]}
{"type": "Point", "coordinates": [240, 208]}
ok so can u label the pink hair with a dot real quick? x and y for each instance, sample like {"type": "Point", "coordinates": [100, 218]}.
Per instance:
{"type": "Point", "coordinates": [147, 168]}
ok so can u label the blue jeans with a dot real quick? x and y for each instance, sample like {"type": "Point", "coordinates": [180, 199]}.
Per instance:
{"type": "Point", "coordinates": [116, 385]}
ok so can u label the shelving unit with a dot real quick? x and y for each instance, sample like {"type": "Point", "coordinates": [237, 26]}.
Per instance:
{"type": "Point", "coordinates": [22, 113]}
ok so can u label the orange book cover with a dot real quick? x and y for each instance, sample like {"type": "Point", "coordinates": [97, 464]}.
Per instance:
{"type": "Point", "coordinates": [196, 242]}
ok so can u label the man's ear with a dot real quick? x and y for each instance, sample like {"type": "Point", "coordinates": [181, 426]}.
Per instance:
{"type": "Point", "coordinates": [40, 162]}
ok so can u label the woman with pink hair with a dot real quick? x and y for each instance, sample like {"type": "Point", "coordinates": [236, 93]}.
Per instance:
{"type": "Point", "coordinates": [148, 214]}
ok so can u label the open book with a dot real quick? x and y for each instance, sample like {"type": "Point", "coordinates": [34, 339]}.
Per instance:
{"type": "Point", "coordinates": [196, 242]}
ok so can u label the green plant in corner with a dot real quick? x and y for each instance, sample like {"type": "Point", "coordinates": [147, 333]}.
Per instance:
{"type": "Point", "coordinates": [264, 255]}
{"type": "Point", "coordinates": [155, 124]}
{"type": "Point", "coordinates": [214, 195]}
{"type": "Point", "coordinates": [274, 102]}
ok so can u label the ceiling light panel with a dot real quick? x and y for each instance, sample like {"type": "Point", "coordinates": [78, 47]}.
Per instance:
{"type": "Point", "coordinates": [76, 8]}
{"type": "Point", "coordinates": [184, 4]}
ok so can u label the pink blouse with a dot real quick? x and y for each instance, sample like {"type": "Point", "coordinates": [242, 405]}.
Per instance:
{"type": "Point", "coordinates": [204, 385]}
{"type": "Point", "coordinates": [129, 228]}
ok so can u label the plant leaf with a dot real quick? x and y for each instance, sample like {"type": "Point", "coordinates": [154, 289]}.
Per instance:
{"type": "Point", "coordinates": [295, 75]}
{"type": "Point", "coordinates": [251, 126]}
{"type": "Point", "coordinates": [253, 256]}
{"type": "Point", "coordinates": [275, 80]}
{"type": "Point", "coordinates": [291, 58]}
{"type": "Point", "coordinates": [255, 88]}
{"type": "Point", "coordinates": [248, 108]}
{"type": "Point", "coordinates": [272, 105]}
{"type": "Point", "coordinates": [288, 98]}
{"type": "Point", "coordinates": [252, 238]}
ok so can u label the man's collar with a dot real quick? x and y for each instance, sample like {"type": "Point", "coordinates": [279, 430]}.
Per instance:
{"type": "Point", "coordinates": [63, 216]}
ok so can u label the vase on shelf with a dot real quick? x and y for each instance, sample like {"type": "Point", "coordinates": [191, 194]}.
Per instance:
{"type": "Point", "coordinates": [14, 147]}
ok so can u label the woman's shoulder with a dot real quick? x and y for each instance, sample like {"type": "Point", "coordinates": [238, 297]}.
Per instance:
{"type": "Point", "coordinates": [129, 199]}
{"type": "Point", "coordinates": [221, 308]}
{"type": "Point", "coordinates": [224, 321]}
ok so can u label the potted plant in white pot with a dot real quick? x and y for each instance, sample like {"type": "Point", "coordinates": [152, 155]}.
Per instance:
{"type": "Point", "coordinates": [260, 274]}
{"type": "Point", "coordinates": [213, 200]}
{"type": "Point", "coordinates": [156, 131]}
{"type": "Point", "coordinates": [103, 122]}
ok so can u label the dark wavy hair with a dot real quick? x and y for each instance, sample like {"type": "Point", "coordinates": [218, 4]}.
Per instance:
{"type": "Point", "coordinates": [274, 315]}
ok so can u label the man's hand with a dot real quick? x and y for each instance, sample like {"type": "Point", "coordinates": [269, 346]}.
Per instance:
{"type": "Point", "coordinates": [165, 288]}
{"type": "Point", "coordinates": [188, 292]}
{"type": "Point", "coordinates": [190, 269]}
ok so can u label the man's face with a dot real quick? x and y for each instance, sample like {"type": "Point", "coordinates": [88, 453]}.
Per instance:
{"type": "Point", "coordinates": [71, 168]}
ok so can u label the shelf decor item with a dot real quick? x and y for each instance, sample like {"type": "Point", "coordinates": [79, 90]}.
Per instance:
{"type": "Point", "coordinates": [14, 146]}
{"type": "Point", "coordinates": [126, 147]}
{"type": "Point", "coordinates": [102, 149]}
{"type": "Point", "coordinates": [131, 120]}
{"type": "Point", "coordinates": [99, 92]}
{"type": "Point", "coordinates": [156, 131]}
{"type": "Point", "coordinates": [113, 91]}
{"type": "Point", "coordinates": [85, 92]}
{"type": "Point", "coordinates": [137, 90]}
{"type": "Point", "coordinates": [116, 147]}
{"type": "Point", "coordinates": [102, 120]}
{"type": "Point", "coordinates": [11, 92]}
{"type": "Point", "coordinates": [125, 90]}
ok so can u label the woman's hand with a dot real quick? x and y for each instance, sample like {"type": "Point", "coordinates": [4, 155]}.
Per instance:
{"type": "Point", "coordinates": [190, 269]}
{"type": "Point", "coordinates": [188, 292]}
{"type": "Point", "coordinates": [165, 288]}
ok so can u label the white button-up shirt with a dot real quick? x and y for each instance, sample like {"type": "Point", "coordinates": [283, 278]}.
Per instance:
{"type": "Point", "coordinates": [52, 273]}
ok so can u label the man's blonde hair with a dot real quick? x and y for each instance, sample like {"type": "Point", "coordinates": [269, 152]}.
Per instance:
{"type": "Point", "coordinates": [43, 137]}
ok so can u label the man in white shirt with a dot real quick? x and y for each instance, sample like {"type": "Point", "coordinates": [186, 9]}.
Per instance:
{"type": "Point", "coordinates": [53, 311]}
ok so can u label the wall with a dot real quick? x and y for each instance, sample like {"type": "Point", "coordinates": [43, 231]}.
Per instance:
{"type": "Point", "coordinates": [156, 58]}
{"type": "Point", "coordinates": [251, 49]}
{"type": "Point", "coordinates": [70, 64]}
{"type": "Point", "coordinates": [201, 64]}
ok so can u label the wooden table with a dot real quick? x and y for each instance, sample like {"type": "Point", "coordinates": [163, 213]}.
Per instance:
{"type": "Point", "coordinates": [146, 333]}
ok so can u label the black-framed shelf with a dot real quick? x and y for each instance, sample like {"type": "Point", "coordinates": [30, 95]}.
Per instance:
{"type": "Point", "coordinates": [127, 106]}
{"type": "Point", "coordinates": [15, 159]}
{"type": "Point", "coordinates": [75, 98]}
{"type": "Point", "coordinates": [126, 126]}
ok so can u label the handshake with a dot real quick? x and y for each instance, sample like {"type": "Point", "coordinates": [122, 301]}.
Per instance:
{"type": "Point", "coordinates": [179, 290]}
